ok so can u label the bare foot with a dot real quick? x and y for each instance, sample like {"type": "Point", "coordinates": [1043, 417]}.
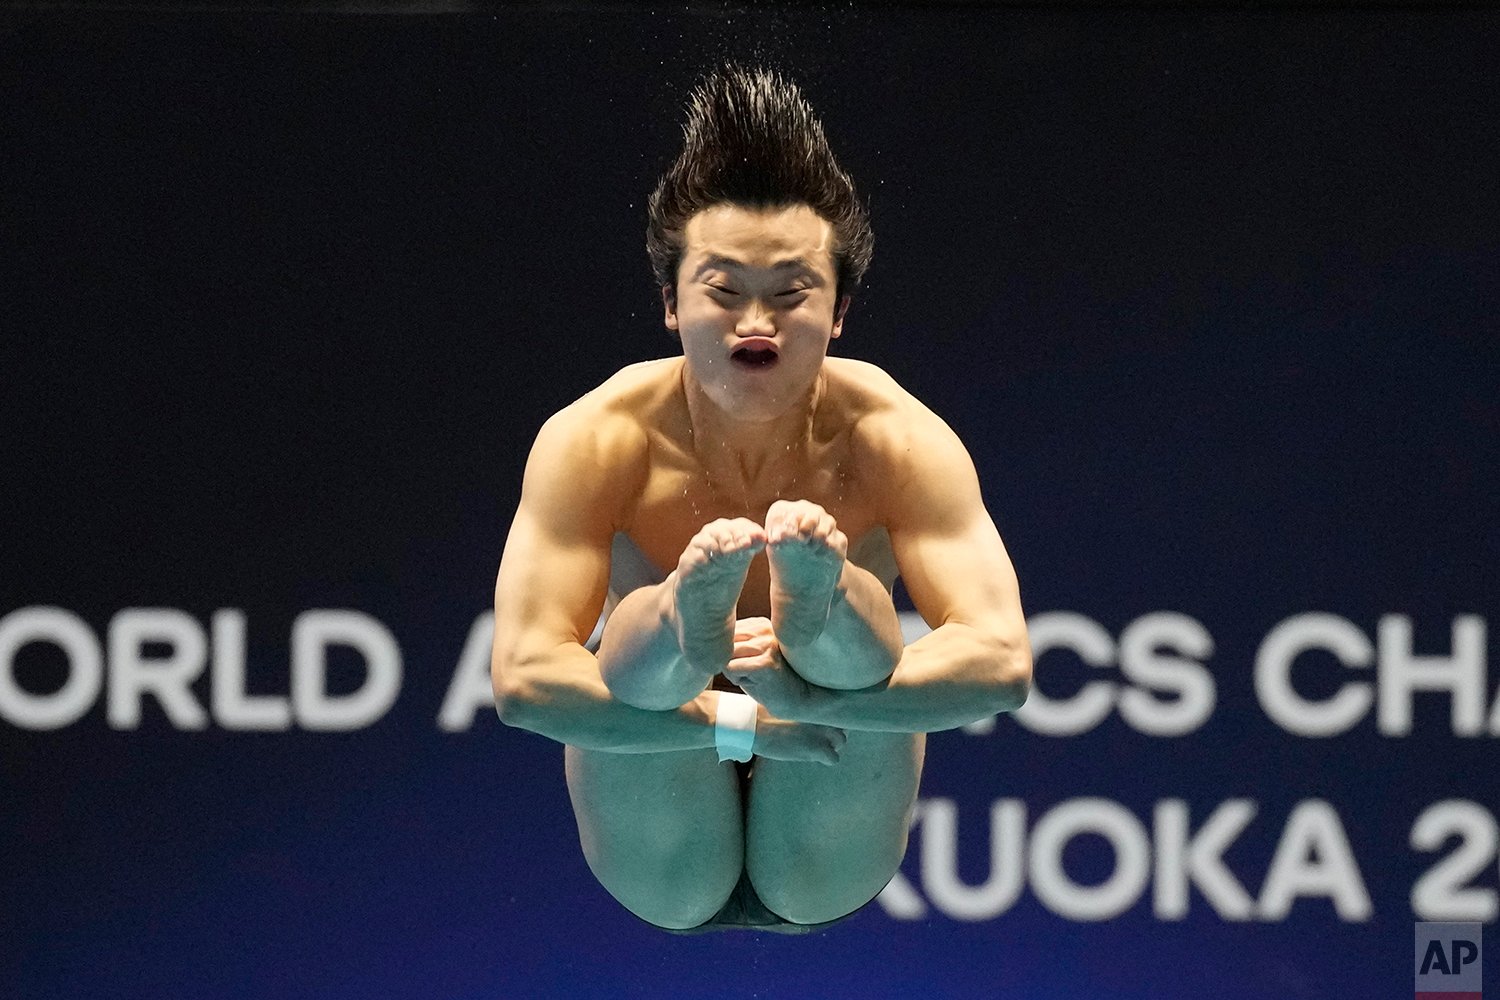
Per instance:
{"type": "Point", "coordinates": [710, 576]}
{"type": "Point", "coordinates": [806, 551]}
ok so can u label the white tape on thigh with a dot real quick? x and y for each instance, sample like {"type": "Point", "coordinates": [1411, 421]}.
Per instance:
{"type": "Point", "coordinates": [734, 726]}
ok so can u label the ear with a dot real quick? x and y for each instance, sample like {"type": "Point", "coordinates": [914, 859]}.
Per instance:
{"type": "Point", "coordinates": [839, 314]}
{"type": "Point", "coordinates": [669, 306]}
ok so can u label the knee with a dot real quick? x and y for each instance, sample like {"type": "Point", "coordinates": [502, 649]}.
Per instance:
{"type": "Point", "coordinates": [675, 900]}
{"type": "Point", "coordinates": [816, 904]}
{"type": "Point", "coordinates": [676, 885]}
{"type": "Point", "coordinates": [675, 914]}
{"type": "Point", "coordinates": [823, 889]}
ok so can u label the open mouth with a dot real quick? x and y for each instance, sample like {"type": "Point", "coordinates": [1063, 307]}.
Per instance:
{"type": "Point", "coordinates": [754, 357]}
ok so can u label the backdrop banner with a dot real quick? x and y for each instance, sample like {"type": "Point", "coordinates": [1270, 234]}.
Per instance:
{"type": "Point", "coordinates": [1210, 298]}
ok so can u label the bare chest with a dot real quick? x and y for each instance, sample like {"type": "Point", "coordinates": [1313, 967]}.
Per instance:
{"type": "Point", "coordinates": [680, 496]}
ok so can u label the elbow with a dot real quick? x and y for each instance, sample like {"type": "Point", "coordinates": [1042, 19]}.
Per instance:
{"type": "Point", "coordinates": [1012, 673]}
{"type": "Point", "coordinates": [514, 699]}
{"type": "Point", "coordinates": [510, 703]}
{"type": "Point", "coordinates": [511, 708]}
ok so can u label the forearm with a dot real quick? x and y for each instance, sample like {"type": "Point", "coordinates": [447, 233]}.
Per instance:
{"type": "Point", "coordinates": [560, 695]}
{"type": "Point", "coordinates": [861, 643]}
{"type": "Point", "coordinates": [641, 658]}
{"type": "Point", "coordinates": [952, 677]}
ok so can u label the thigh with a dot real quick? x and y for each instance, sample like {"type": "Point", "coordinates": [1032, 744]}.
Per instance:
{"type": "Point", "coordinates": [822, 841]}
{"type": "Point", "coordinates": [663, 832]}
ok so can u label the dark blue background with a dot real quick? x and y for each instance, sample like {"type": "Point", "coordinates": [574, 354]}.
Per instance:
{"type": "Point", "coordinates": [1210, 297]}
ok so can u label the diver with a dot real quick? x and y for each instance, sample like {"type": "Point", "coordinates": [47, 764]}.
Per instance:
{"type": "Point", "coordinates": [744, 746]}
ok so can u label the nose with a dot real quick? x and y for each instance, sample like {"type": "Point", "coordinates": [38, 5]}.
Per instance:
{"type": "Point", "coordinates": [755, 321]}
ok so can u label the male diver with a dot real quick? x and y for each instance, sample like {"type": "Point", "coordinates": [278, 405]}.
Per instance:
{"type": "Point", "coordinates": [744, 747]}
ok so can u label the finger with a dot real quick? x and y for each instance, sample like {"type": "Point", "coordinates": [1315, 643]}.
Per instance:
{"type": "Point", "coordinates": [746, 679]}
{"type": "Point", "coordinates": [838, 542]}
{"type": "Point", "coordinates": [751, 640]}
{"type": "Point", "coordinates": [752, 658]}
{"type": "Point", "coordinates": [760, 638]}
{"type": "Point", "coordinates": [755, 625]}
{"type": "Point", "coordinates": [831, 752]}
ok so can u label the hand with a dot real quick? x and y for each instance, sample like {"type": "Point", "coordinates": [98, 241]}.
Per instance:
{"type": "Point", "coordinates": [760, 670]}
{"type": "Point", "coordinates": [779, 739]}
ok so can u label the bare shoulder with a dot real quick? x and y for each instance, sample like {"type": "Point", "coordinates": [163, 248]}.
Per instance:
{"type": "Point", "coordinates": [619, 412]}
{"type": "Point", "coordinates": [892, 429]}
{"type": "Point", "coordinates": [594, 449]}
{"type": "Point", "coordinates": [915, 470]}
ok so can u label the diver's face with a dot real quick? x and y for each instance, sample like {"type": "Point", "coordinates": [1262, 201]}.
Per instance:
{"type": "Point", "coordinates": [755, 306]}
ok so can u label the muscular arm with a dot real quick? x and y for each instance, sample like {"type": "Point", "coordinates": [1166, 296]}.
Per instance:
{"type": "Point", "coordinates": [961, 672]}
{"type": "Point", "coordinates": [976, 662]}
{"type": "Point", "coordinates": [548, 595]}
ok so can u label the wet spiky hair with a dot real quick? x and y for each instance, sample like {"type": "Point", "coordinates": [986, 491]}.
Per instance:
{"type": "Point", "coordinates": [751, 139]}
